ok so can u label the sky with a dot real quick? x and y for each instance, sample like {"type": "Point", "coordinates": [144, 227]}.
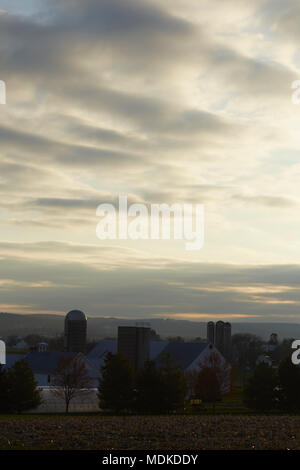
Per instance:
{"type": "Point", "coordinates": [167, 102]}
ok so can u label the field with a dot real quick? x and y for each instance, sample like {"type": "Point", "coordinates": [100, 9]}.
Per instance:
{"type": "Point", "coordinates": [150, 432]}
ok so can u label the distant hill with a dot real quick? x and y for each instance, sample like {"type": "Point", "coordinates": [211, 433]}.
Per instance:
{"type": "Point", "coordinates": [99, 327]}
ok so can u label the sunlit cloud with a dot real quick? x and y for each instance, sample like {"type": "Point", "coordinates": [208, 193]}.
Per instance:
{"type": "Point", "coordinates": [270, 301]}
{"type": "Point", "coordinates": [207, 316]}
{"type": "Point", "coordinates": [253, 289]}
{"type": "Point", "coordinates": [27, 309]}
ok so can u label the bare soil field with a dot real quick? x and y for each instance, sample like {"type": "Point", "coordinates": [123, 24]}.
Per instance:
{"type": "Point", "coordinates": [150, 432]}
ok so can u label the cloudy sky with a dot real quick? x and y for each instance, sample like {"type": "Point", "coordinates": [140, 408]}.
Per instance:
{"type": "Point", "coordinates": [174, 101]}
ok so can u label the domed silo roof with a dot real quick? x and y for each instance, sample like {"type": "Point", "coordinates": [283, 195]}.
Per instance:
{"type": "Point", "coordinates": [76, 315]}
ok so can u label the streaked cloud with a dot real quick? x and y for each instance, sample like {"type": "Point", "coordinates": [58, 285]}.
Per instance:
{"type": "Point", "coordinates": [165, 102]}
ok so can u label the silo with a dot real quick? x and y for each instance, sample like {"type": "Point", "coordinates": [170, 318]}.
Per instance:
{"type": "Point", "coordinates": [219, 341]}
{"type": "Point", "coordinates": [211, 332]}
{"type": "Point", "coordinates": [227, 340]}
{"type": "Point", "coordinates": [75, 331]}
{"type": "Point", "coordinates": [134, 344]}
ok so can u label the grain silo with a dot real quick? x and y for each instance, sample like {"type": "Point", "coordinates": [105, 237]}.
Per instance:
{"type": "Point", "coordinates": [219, 340]}
{"type": "Point", "coordinates": [75, 331]}
{"type": "Point", "coordinates": [227, 340]}
{"type": "Point", "coordinates": [210, 332]}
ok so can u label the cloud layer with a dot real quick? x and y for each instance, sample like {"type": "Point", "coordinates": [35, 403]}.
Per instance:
{"type": "Point", "coordinates": [164, 103]}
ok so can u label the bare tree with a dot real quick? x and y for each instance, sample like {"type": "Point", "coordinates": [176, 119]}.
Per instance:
{"type": "Point", "coordinates": [70, 379]}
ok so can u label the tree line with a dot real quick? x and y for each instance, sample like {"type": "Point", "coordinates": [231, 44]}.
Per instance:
{"type": "Point", "coordinates": [158, 388]}
{"type": "Point", "coordinates": [154, 389]}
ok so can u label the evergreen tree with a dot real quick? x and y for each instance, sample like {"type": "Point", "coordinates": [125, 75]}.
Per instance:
{"type": "Point", "coordinates": [150, 389]}
{"type": "Point", "coordinates": [23, 392]}
{"type": "Point", "coordinates": [289, 385]}
{"type": "Point", "coordinates": [260, 392]}
{"type": "Point", "coordinates": [174, 385]}
{"type": "Point", "coordinates": [116, 386]}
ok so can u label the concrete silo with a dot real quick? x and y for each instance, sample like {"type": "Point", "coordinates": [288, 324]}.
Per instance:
{"type": "Point", "coordinates": [219, 341]}
{"type": "Point", "coordinates": [211, 332]}
{"type": "Point", "coordinates": [75, 331]}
